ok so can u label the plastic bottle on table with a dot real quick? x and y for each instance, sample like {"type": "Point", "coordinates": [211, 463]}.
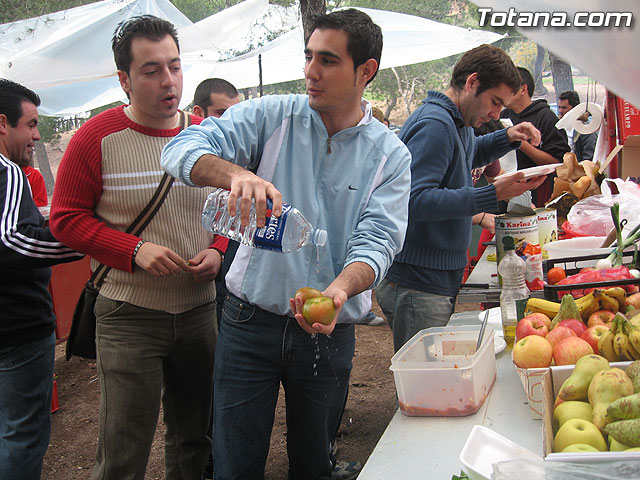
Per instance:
{"type": "Point", "coordinates": [514, 293]}
{"type": "Point", "coordinates": [287, 233]}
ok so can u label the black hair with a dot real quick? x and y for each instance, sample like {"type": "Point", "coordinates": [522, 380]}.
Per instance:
{"type": "Point", "coordinates": [146, 26]}
{"type": "Point", "coordinates": [202, 96]}
{"type": "Point", "coordinates": [12, 95]}
{"type": "Point", "coordinates": [570, 96]}
{"type": "Point", "coordinates": [365, 37]}
{"type": "Point", "coordinates": [493, 66]}
{"type": "Point", "coordinates": [527, 79]}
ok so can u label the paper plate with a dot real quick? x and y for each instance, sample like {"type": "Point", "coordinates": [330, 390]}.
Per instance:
{"type": "Point", "coordinates": [484, 447]}
{"type": "Point", "coordinates": [536, 171]}
{"type": "Point", "coordinates": [498, 342]}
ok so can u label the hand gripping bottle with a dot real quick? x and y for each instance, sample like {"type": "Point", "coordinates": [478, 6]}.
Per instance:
{"type": "Point", "coordinates": [514, 294]}
{"type": "Point", "coordinates": [287, 233]}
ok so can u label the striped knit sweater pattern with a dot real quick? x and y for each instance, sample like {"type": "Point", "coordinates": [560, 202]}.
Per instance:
{"type": "Point", "coordinates": [108, 174]}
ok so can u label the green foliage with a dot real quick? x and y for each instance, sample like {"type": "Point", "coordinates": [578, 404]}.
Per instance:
{"type": "Point", "coordinates": [462, 476]}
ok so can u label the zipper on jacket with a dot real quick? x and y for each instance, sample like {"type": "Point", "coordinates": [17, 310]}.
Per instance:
{"type": "Point", "coordinates": [329, 145]}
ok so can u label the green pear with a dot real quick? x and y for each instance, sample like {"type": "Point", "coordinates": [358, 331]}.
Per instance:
{"type": "Point", "coordinates": [616, 446]}
{"type": "Point", "coordinates": [626, 432]}
{"type": "Point", "coordinates": [571, 409]}
{"type": "Point", "coordinates": [580, 448]}
{"type": "Point", "coordinates": [633, 372]}
{"type": "Point", "coordinates": [577, 385]}
{"type": "Point", "coordinates": [578, 430]}
{"type": "Point", "coordinates": [607, 386]}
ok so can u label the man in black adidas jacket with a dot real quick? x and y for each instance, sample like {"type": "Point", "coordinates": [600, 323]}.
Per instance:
{"type": "Point", "coordinates": [27, 339]}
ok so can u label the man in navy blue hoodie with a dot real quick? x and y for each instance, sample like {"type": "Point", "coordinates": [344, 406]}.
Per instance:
{"type": "Point", "coordinates": [421, 286]}
{"type": "Point", "coordinates": [27, 339]}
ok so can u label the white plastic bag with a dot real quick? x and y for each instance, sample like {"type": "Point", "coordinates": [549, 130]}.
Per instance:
{"type": "Point", "coordinates": [541, 470]}
{"type": "Point", "coordinates": [592, 215]}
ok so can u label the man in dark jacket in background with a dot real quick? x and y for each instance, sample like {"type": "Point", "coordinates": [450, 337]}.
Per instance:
{"type": "Point", "coordinates": [583, 145]}
{"type": "Point", "coordinates": [554, 142]}
{"type": "Point", "coordinates": [27, 323]}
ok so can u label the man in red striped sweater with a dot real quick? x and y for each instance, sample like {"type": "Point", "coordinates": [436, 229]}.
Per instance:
{"type": "Point", "coordinates": [156, 325]}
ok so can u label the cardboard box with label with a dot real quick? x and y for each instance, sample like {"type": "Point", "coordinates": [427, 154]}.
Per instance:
{"type": "Point", "coordinates": [629, 130]}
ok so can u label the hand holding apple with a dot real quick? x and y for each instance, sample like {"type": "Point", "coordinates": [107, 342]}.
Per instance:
{"type": "Point", "coordinates": [317, 314]}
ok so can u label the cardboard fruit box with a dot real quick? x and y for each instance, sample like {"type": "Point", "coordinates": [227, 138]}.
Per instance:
{"type": "Point", "coordinates": [552, 380]}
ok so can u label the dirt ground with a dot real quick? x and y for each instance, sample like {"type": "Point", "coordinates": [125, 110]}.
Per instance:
{"type": "Point", "coordinates": [371, 404]}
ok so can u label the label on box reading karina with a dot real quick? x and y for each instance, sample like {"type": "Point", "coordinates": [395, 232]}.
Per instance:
{"type": "Point", "coordinates": [269, 237]}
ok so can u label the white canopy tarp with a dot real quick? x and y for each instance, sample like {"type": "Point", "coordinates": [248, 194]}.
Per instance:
{"type": "Point", "coordinates": [66, 56]}
{"type": "Point", "coordinates": [407, 40]}
{"type": "Point", "coordinates": [611, 55]}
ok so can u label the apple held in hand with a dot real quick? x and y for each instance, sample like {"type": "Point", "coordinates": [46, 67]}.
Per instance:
{"type": "Point", "coordinates": [305, 293]}
{"type": "Point", "coordinates": [319, 310]}
{"type": "Point", "coordinates": [532, 325]}
{"type": "Point", "coordinates": [576, 431]}
{"type": "Point", "coordinates": [558, 333]}
{"type": "Point", "coordinates": [601, 317]}
{"type": "Point", "coordinates": [576, 325]}
{"type": "Point", "coordinates": [593, 334]}
{"type": "Point", "coordinates": [533, 351]}
{"type": "Point", "coordinates": [569, 350]}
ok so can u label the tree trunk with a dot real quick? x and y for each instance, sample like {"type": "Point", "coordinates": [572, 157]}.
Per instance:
{"type": "Point", "coordinates": [393, 101]}
{"type": "Point", "coordinates": [540, 89]}
{"type": "Point", "coordinates": [308, 8]}
{"type": "Point", "coordinates": [44, 167]}
{"type": "Point", "coordinates": [562, 78]}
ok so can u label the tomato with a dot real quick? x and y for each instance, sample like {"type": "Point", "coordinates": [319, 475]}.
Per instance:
{"type": "Point", "coordinates": [555, 274]}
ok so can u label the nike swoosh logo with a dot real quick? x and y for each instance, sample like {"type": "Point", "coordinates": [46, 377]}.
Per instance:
{"type": "Point", "coordinates": [351, 187]}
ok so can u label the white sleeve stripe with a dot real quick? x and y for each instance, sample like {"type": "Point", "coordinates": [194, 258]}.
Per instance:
{"type": "Point", "coordinates": [10, 215]}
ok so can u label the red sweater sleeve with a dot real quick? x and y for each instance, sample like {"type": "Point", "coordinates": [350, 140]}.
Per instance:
{"type": "Point", "coordinates": [78, 191]}
{"type": "Point", "coordinates": [38, 187]}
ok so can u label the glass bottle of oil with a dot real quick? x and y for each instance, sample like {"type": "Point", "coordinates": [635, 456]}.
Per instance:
{"type": "Point", "coordinates": [514, 293]}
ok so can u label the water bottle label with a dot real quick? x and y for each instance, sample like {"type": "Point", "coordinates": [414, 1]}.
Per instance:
{"type": "Point", "coordinates": [269, 237]}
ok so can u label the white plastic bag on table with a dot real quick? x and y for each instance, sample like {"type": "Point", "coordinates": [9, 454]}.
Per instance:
{"type": "Point", "coordinates": [541, 470]}
{"type": "Point", "coordinates": [592, 215]}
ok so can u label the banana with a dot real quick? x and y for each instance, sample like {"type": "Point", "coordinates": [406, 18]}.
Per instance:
{"type": "Point", "coordinates": [633, 331]}
{"type": "Point", "coordinates": [540, 305]}
{"type": "Point", "coordinates": [607, 302]}
{"type": "Point", "coordinates": [605, 344]}
{"type": "Point", "coordinates": [618, 293]}
{"type": "Point", "coordinates": [605, 347]}
{"type": "Point", "coordinates": [587, 305]}
{"type": "Point", "coordinates": [623, 348]}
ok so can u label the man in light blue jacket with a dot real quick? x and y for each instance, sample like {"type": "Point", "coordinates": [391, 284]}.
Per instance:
{"type": "Point", "coordinates": [349, 175]}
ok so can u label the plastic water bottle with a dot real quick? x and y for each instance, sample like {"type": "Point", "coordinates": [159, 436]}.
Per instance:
{"type": "Point", "coordinates": [286, 233]}
{"type": "Point", "coordinates": [514, 293]}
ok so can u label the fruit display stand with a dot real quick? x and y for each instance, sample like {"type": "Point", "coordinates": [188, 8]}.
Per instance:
{"type": "Point", "coordinates": [429, 447]}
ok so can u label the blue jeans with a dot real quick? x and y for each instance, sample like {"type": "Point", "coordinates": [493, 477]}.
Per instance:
{"type": "Point", "coordinates": [256, 351]}
{"type": "Point", "coordinates": [145, 356]}
{"type": "Point", "coordinates": [408, 311]}
{"type": "Point", "coordinates": [26, 385]}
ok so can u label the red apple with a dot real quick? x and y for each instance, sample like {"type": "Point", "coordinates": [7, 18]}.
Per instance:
{"type": "Point", "coordinates": [577, 326]}
{"type": "Point", "coordinates": [533, 351]}
{"type": "Point", "coordinates": [319, 310]}
{"type": "Point", "coordinates": [541, 317]}
{"type": "Point", "coordinates": [633, 300]}
{"type": "Point", "coordinates": [593, 334]}
{"type": "Point", "coordinates": [558, 333]}
{"type": "Point", "coordinates": [601, 317]}
{"type": "Point", "coordinates": [570, 349]}
{"type": "Point", "coordinates": [305, 293]}
{"type": "Point", "coordinates": [531, 325]}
